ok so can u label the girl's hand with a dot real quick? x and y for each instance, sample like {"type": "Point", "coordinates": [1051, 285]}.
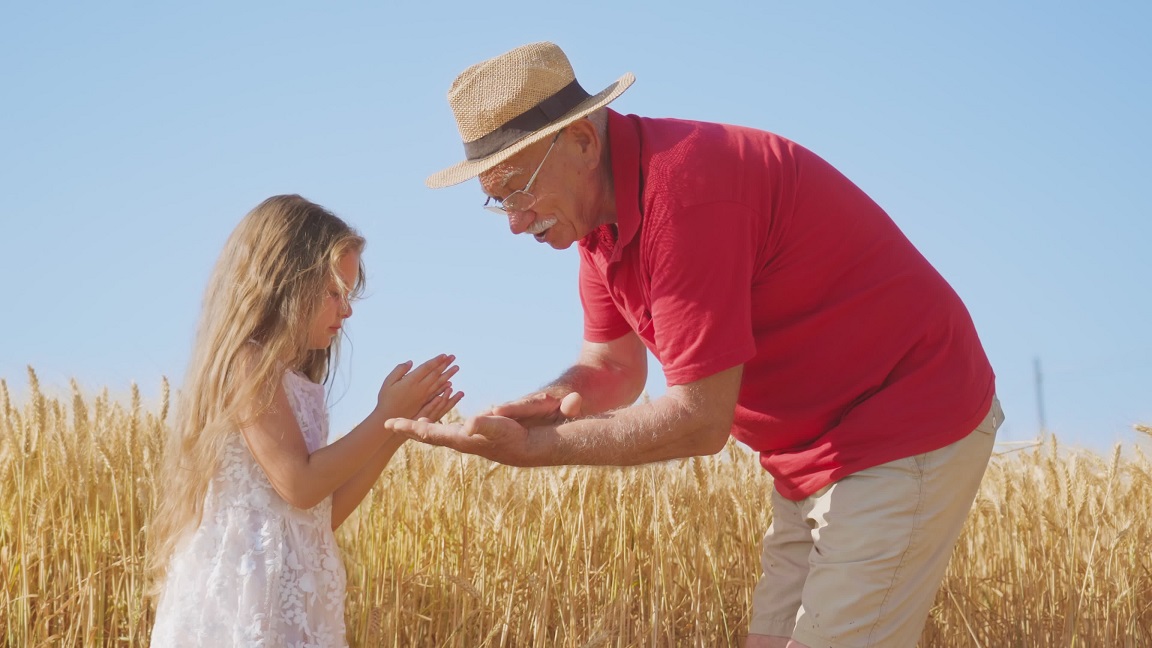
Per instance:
{"type": "Point", "coordinates": [439, 405]}
{"type": "Point", "coordinates": [405, 394]}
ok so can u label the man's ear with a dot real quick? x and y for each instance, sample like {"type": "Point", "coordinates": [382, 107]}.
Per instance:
{"type": "Point", "coordinates": [587, 141]}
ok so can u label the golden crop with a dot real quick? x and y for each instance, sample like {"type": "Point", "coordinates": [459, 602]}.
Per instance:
{"type": "Point", "coordinates": [456, 551]}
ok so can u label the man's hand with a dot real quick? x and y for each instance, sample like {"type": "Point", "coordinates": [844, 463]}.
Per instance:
{"type": "Point", "coordinates": [540, 408]}
{"type": "Point", "coordinates": [498, 438]}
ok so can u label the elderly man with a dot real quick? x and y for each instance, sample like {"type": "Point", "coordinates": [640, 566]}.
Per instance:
{"type": "Point", "coordinates": [786, 309]}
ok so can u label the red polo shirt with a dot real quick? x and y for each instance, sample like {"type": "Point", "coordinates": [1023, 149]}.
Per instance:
{"type": "Point", "coordinates": [736, 246]}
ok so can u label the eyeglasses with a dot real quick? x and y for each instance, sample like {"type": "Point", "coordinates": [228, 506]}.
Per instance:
{"type": "Point", "coordinates": [520, 201]}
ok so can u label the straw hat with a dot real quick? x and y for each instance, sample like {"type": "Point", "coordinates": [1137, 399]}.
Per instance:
{"type": "Point", "coordinates": [506, 104]}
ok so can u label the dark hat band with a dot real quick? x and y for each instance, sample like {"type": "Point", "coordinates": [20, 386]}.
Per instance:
{"type": "Point", "coordinates": [527, 122]}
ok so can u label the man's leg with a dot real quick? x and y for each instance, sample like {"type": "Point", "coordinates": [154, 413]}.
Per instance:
{"type": "Point", "coordinates": [883, 538]}
{"type": "Point", "coordinates": [784, 565]}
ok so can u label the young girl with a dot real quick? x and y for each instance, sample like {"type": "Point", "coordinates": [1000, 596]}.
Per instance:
{"type": "Point", "coordinates": [243, 549]}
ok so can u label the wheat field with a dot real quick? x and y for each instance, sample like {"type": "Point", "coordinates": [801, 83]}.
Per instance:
{"type": "Point", "coordinates": [457, 551]}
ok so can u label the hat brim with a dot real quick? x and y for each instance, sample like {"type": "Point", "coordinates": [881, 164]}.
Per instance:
{"type": "Point", "coordinates": [469, 169]}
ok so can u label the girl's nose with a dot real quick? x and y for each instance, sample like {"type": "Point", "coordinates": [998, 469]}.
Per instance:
{"type": "Point", "coordinates": [347, 310]}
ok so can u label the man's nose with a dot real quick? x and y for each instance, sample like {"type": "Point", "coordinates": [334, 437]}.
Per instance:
{"type": "Point", "coordinates": [519, 222]}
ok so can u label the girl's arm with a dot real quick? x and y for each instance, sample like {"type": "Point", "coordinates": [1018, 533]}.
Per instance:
{"type": "Point", "coordinates": [304, 479]}
{"type": "Point", "coordinates": [348, 496]}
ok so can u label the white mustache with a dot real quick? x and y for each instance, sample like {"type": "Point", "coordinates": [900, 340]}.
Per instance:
{"type": "Point", "coordinates": [539, 227]}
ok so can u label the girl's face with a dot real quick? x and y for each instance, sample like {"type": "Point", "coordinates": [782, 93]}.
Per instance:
{"type": "Point", "coordinates": [335, 307]}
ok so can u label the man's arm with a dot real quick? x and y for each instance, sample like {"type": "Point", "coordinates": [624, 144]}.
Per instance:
{"type": "Point", "coordinates": [689, 420]}
{"type": "Point", "coordinates": [607, 375]}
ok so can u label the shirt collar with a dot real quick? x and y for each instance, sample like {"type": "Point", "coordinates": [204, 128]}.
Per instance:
{"type": "Point", "coordinates": [624, 135]}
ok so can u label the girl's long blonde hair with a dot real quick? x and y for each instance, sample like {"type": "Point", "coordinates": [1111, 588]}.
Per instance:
{"type": "Point", "coordinates": [263, 295]}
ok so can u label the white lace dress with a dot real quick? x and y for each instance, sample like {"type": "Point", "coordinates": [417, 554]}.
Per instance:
{"type": "Point", "coordinates": [258, 571]}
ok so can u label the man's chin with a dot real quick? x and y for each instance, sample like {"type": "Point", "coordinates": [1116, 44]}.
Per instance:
{"type": "Point", "coordinates": [553, 240]}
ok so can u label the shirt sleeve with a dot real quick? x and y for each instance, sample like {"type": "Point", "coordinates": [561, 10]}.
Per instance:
{"type": "Point", "coordinates": [602, 319]}
{"type": "Point", "coordinates": [700, 260]}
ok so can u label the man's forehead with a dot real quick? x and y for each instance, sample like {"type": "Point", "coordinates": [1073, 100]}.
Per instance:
{"type": "Point", "coordinates": [495, 180]}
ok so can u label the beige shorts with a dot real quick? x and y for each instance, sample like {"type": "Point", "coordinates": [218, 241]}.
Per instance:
{"type": "Point", "coordinates": [859, 562]}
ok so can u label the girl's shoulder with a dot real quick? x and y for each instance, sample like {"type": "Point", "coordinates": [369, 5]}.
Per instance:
{"type": "Point", "coordinates": [303, 393]}
{"type": "Point", "coordinates": [296, 379]}
{"type": "Point", "coordinates": [309, 405]}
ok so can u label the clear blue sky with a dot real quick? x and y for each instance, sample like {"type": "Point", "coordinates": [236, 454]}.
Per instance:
{"type": "Point", "coordinates": [1009, 140]}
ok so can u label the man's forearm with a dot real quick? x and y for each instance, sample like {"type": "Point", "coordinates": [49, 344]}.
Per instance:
{"type": "Point", "coordinates": [656, 431]}
{"type": "Point", "coordinates": [601, 388]}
